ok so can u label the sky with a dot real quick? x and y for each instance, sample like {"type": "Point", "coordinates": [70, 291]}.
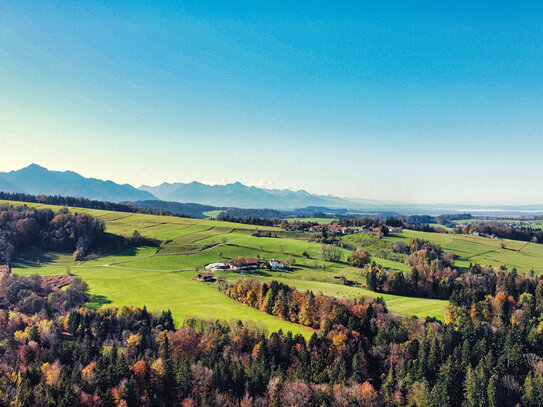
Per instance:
{"type": "Point", "coordinates": [407, 101]}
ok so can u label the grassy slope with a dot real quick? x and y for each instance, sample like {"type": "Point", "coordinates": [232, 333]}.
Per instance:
{"type": "Point", "coordinates": [153, 277]}
{"type": "Point", "coordinates": [468, 249]}
{"type": "Point", "coordinates": [178, 292]}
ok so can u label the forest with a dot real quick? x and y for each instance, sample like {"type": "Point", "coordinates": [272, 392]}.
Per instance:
{"type": "Point", "coordinates": [487, 353]}
{"type": "Point", "coordinates": [522, 233]}
{"type": "Point", "coordinates": [57, 353]}
{"type": "Point", "coordinates": [22, 227]}
{"type": "Point", "coordinates": [63, 231]}
{"type": "Point", "coordinates": [82, 203]}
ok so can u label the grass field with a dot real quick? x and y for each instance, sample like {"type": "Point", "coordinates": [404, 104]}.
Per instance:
{"type": "Point", "coordinates": [467, 248]}
{"type": "Point", "coordinates": [178, 292]}
{"type": "Point", "coordinates": [213, 214]}
{"type": "Point", "coordinates": [163, 277]}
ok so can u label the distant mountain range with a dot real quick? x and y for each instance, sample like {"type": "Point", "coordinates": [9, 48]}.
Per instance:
{"type": "Point", "coordinates": [36, 180]}
{"type": "Point", "coordinates": [198, 198]}
{"type": "Point", "coordinates": [241, 196]}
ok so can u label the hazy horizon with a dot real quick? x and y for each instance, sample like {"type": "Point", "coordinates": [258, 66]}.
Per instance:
{"type": "Point", "coordinates": [469, 206]}
{"type": "Point", "coordinates": [399, 102]}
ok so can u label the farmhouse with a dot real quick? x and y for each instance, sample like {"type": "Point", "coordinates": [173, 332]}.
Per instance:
{"type": "Point", "coordinates": [394, 229]}
{"type": "Point", "coordinates": [244, 264]}
{"type": "Point", "coordinates": [276, 264]}
{"type": "Point", "coordinates": [205, 277]}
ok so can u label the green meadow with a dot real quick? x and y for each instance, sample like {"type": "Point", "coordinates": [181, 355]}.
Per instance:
{"type": "Point", "coordinates": [467, 248]}
{"type": "Point", "coordinates": [163, 277]}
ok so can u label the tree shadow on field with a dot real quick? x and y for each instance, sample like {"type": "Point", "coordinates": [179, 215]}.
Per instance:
{"type": "Point", "coordinates": [33, 256]}
{"type": "Point", "coordinates": [96, 301]}
{"type": "Point", "coordinates": [259, 272]}
{"type": "Point", "coordinates": [128, 252]}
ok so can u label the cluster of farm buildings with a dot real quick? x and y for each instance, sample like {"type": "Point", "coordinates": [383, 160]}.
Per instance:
{"type": "Point", "coordinates": [335, 229]}
{"type": "Point", "coordinates": [238, 264]}
{"type": "Point", "coordinates": [391, 229]}
{"type": "Point", "coordinates": [492, 236]}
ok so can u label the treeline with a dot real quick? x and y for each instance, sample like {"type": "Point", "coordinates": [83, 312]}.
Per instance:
{"type": "Point", "coordinates": [249, 220]}
{"type": "Point", "coordinates": [22, 227]}
{"type": "Point", "coordinates": [447, 219]}
{"type": "Point", "coordinates": [255, 213]}
{"type": "Point", "coordinates": [32, 295]}
{"type": "Point", "coordinates": [318, 312]}
{"type": "Point", "coordinates": [432, 272]}
{"type": "Point", "coordinates": [413, 222]}
{"type": "Point", "coordinates": [487, 354]}
{"type": "Point", "coordinates": [130, 357]}
{"type": "Point", "coordinates": [433, 275]}
{"type": "Point", "coordinates": [416, 222]}
{"type": "Point", "coordinates": [82, 203]}
{"type": "Point", "coordinates": [522, 233]}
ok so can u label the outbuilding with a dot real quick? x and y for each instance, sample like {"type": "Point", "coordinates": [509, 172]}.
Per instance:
{"type": "Point", "coordinates": [205, 277]}
{"type": "Point", "coordinates": [276, 264]}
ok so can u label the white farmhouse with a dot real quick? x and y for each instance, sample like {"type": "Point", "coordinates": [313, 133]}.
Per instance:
{"type": "Point", "coordinates": [276, 264]}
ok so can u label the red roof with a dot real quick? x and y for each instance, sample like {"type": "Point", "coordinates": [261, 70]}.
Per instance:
{"type": "Point", "coordinates": [244, 262]}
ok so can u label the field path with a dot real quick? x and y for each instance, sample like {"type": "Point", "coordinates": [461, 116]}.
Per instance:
{"type": "Point", "coordinates": [112, 265]}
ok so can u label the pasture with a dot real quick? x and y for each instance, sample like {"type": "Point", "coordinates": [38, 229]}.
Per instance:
{"type": "Point", "coordinates": [163, 277]}
{"type": "Point", "coordinates": [467, 248]}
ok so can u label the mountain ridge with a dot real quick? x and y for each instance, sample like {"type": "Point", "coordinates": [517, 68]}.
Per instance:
{"type": "Point", "coordinates": [35, 179]}
{"type": "Point", "coordinates": [242, 196]}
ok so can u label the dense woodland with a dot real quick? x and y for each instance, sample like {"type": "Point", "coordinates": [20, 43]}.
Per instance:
{"type": "Point", "coordinates": [22, 227]}
{"type": "Point", "coordinates": [82, 203]}
{"type": "Point", "coordinates": [63, 231]}
{"type": "Point", "coordinates": [522, 233]}
{"type": "Point", "coordinates": [433, 275]}
{"type": "Point", "coordinates": [488, 354]}
{"type": "Point", "coordinates": [489, 351]}
{"type": "Point", "coordinates": [249, 220]}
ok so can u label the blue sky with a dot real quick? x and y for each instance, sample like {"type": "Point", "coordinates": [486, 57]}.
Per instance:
{"type": "Point", "coordinates": [402, 101]}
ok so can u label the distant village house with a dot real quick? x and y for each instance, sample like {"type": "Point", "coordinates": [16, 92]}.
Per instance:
{"type": "Point", "coordinates": [394, 229]}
